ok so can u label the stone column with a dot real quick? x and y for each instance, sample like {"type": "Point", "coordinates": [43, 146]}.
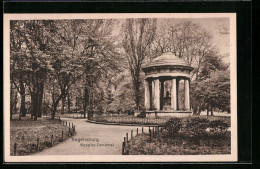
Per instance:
{"type": "Point", "coordinates": [174, 95]}
{"type": "Point", "coordinates": [187, 94]}
{"type": "Point", "coordinates": [151, 94]}
{"type": "Point", "coordinates": [161, 95]}
{"type": "Point", "coordinates": [156, 94]}
{"type": "Point", "coordinates": [147, 95]}
{"type": "Point", "coordinates": [177, 92]}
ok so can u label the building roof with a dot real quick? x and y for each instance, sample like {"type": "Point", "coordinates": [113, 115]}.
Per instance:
{"type": "Point", "coordinates": [167, 59]}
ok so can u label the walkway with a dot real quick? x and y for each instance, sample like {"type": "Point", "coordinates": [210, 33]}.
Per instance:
{"type": "Point", "coordinates": [96, 139]}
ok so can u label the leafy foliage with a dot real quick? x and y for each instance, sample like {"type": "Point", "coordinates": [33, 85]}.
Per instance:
{"type": "Point", "coordinates": [196, 127]}
{"type": "Point", "coordinates": [218, 126]}
{"type": "Point", "coordinates": [173, 126]}
{"type": "Point", "coordinates": [214, 91]}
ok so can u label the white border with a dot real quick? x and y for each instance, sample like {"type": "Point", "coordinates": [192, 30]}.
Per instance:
{"type": "Point", "coordinates": [120, 158]}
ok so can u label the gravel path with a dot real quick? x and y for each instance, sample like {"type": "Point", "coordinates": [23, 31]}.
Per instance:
{"type": "Point", "coordinates": [92, 139]}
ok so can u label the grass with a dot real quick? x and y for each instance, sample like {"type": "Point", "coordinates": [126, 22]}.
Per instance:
{"type": "Point", "coordinates": [180, 145]}
{"type": "Point", "coordinates": [26, 132]}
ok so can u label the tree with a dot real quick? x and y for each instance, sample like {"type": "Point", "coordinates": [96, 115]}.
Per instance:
{"type": "Point", "coordinates": [100, 60]}
{"type": "Point", "coordinates": [66, 65]}
{"type": "Point", "coordinates": [85, 53]}
{"type": "Point", "coordinates": [17, 67]}
{"type": "Point", "coordinates": [213, 92]}
{"type": "Point", "coordinates": [38, 41]}
{"type": "Point", "coordinates": [186, 40]}
{"type": "Point", "coordinates": [29, 46]}
{"type": "Point", "coordinates": [138, 35]}
{"type": "Point", "coordinates": [121, 97]}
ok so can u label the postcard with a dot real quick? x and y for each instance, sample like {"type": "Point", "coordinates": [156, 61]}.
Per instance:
{"type": "Point", "coordinates": [128, 87]}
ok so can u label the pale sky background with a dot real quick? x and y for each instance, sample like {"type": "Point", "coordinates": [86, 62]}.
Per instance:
{"type": "Point", "coordinates": [212, 25]}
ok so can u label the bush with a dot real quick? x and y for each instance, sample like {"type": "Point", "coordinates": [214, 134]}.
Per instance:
{"type": "Point", "coordinates": [218, 126]}
{"type": "Point", "coordinates": [203, 129]}
{"type": "Point", "coordinates": [196, 127]}
{"type": "Point", "coordinates": [218, 131]}
{"type": "Point", "coordinates": [173, 126]}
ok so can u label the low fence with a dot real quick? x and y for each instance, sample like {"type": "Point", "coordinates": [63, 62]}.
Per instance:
{"type": "Point", "coordinates": [151, 131]}
{"type": "Point", "coordinates": [39, 144]}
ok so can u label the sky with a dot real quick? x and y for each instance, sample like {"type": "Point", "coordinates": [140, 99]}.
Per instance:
{"type": "Point", "coordinates": [212, 25]}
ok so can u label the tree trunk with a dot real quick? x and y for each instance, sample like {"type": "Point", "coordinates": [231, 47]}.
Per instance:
{"type": "Point", "coordinates": [36, 99]}
{"type": "Point", "coordinates": [195, 109]}
{"type": "Point", "coordinates": [14, 108]}
{"type": "Point", "coordinates": [199, 109]}
{"type": "Point", "coordinates": [211, 109]}
{"type": "Point", "coordinates": [207, 109]}
{"type": "Point", "coordinates": [53, 111]}
{"type": "Point", "coordinates": [137, 94]}
{"type": "Point", "coordinates": [13, 101]}
{"type": "Point", "coordinates": [56, 104]}
{"type": "Point", "coordinates": [76, 104]}
{"type": "Point", "coordinates": [34, 94]}
{"type": "Point", "coordinates": [86, 97]}
{"type": "Point", "coordinates": [32, 104]}
{"type": "Point", "coordinates": [63, 104]}
{"type": "Point", "coordinates": [40, 96]}
{"type": "Point", "coordinates": [22, 93]}
{"type": "Point", "coordinates": [35, 106]}
{"type": "Point", "coordinates": [68, 97]}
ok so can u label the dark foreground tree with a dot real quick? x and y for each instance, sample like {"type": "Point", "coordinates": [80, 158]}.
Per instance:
{"type": "Point", "coordinates": [29, 51]}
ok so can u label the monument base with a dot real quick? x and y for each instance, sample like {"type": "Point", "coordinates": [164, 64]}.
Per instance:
{"type": "Point", "coordinates": [162, 113]}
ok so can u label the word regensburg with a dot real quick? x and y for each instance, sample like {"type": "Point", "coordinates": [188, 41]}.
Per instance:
{"type": "Point", "coordinates": [85, 139]}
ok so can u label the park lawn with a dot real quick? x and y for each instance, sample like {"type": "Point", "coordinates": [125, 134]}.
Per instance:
{"type": "Point", "coordinates": [26, 132]}
{"type": "Point", "coordinates": [160, 145]}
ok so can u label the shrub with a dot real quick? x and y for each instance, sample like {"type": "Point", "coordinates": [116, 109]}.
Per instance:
{"type": "Point", "coordinates": [196, 127]}
{"type": "Point", "coordinates": [218, 126]}
{"type": "Point", "coordinates": [218, 131]}
{"type": "Point", "coordinates": [173, 126]}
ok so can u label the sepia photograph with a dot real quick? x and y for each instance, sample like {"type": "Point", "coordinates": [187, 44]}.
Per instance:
{"type": "Point", "coordinates": [157, 87]}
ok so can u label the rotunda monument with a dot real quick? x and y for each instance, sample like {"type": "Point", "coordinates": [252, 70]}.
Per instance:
{"type": "Point", "coordinates": [162, 80]}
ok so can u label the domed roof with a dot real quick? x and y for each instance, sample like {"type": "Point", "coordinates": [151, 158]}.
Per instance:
{"type": "Point", "coordinates": [167, 59]}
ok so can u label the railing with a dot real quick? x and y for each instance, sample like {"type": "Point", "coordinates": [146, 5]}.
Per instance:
{"type": "Point", "coordinates": [151, 131]}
